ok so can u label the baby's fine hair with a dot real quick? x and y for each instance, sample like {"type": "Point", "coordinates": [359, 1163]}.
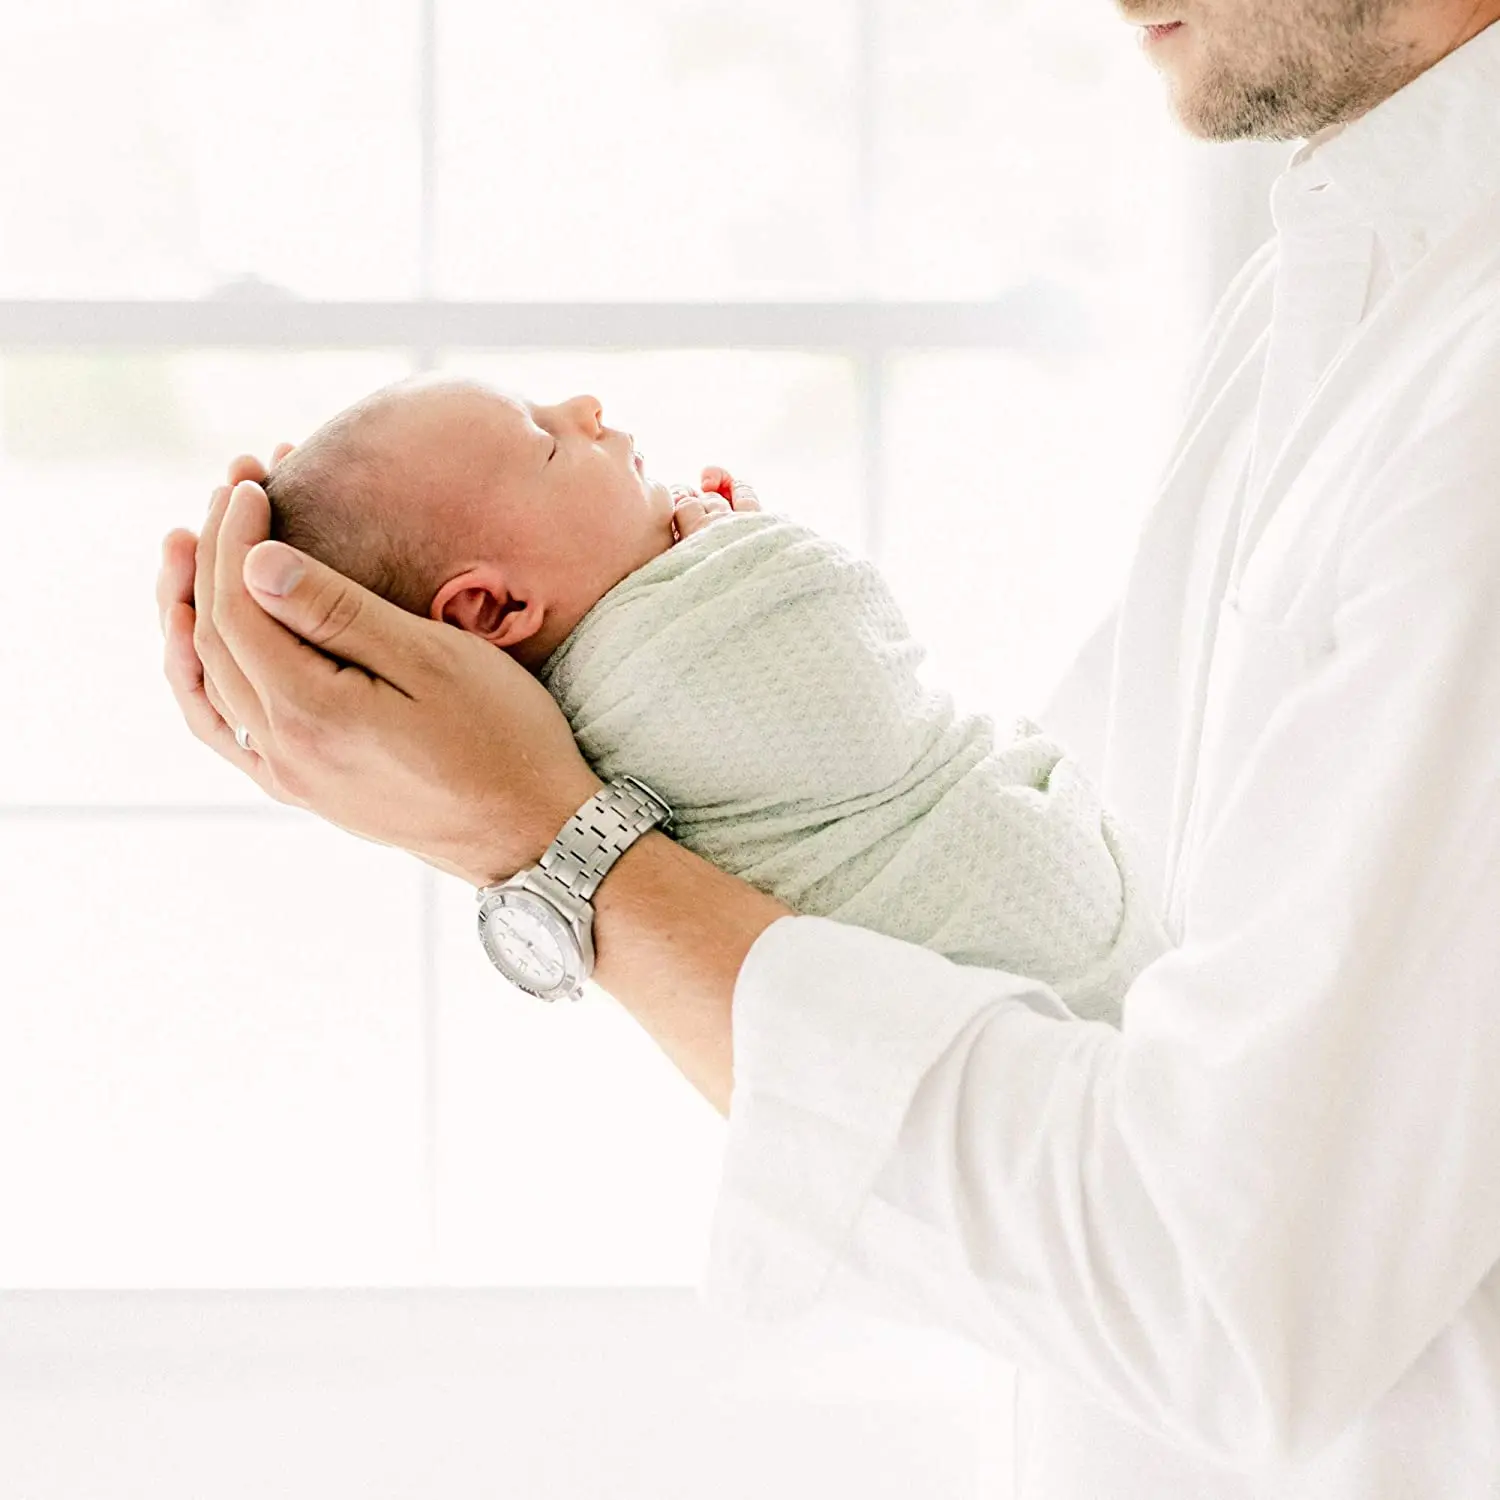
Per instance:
{"type": "Point", "coordinates": [332, 498]}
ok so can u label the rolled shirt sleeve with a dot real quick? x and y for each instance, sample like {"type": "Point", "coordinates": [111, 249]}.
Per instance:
{"type": "Point", "coordinates": [1241, 1219]}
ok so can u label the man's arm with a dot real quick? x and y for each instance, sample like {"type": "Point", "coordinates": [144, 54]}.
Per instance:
{"type": "Point", "coordinates": [403, 759]}
{"type": "Point", "coordinates": [1225, 1221]}
{"type": "Point", "coordinates": [671, 933]}
{"type": "Point", "coordinates": [1240, 1221]}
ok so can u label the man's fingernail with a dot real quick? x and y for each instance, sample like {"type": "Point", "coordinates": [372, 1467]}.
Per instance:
{"type": "Point", "coordinates": [272, 568]}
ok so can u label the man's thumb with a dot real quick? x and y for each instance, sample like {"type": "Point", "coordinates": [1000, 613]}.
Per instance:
{"type": "Point", "coordinates": [325, 608]}
{"type": "Point", "coordinates": [273, 568]}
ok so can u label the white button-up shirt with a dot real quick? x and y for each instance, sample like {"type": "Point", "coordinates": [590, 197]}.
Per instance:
{"type": "Point", "coordinates": [1247, 1245]}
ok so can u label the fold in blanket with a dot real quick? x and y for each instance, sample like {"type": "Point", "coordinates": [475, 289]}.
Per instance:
{"type": "Point", "coordinates": [764, 681]}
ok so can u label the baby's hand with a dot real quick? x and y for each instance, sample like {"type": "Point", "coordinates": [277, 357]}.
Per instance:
{"type": "Point", "coordinates": [721, 495]}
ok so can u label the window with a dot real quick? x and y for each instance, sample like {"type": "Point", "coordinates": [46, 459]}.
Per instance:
{"type": "Point", "coordinates": [914, 269]}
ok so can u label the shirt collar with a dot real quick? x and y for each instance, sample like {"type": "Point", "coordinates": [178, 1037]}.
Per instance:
{"type": "Point", "coordinates": [1413, 168]}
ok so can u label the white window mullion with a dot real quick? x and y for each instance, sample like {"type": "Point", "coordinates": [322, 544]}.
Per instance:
{"type": "Point", "coordinates": [427, 156]}
{"type": "Point", "coordinates": [427, 938]}
{"type": "Point", "coordinates": [866, 123]}
{"type": "Point", "coordinates": [871, 374]}
{"type": "Point", "coordinates": [425, 355]}
{"type": "Point", "coordinates": [871, 378]}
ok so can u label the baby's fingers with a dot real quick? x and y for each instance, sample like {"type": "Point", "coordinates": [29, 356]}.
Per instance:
{"type": "Point", "coordinates": [717, 481]}
{"type": "Point", "coordinates": [742, 496]}
{"type": "Point", "coordinates": [692, 511]}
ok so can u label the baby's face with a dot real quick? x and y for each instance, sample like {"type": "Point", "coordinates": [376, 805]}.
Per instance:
{"type": "Point", "coordinates": [559, 501]}
{"type": "Point", "coordinates": [558, 485]}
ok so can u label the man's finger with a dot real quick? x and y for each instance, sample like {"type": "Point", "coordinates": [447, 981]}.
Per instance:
{"type": "Point", "coordinates": [282, 449]}
{"type": "Point", "coordinates": [184, 673]}
{"type": "Point", "coordinates": [238, 701]}
{"type": "Point", "coordinates": [285, 600]}
{"type": "Point", "coordinates": [216, 698]}
{"type": "Point", "coordinates": [174, 580]}
{"type": "Point", "coordinates": [174, 587]}
{"type": "Point", "coordinates": [203, 571]}
{"type": "Point", "coordinates": [246, 466]}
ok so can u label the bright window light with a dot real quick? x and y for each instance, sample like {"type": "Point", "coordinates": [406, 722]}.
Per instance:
{"type": "Point", "coordinates": [915, 270]}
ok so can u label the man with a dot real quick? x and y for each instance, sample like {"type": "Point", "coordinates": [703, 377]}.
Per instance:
{"type": "Point", "coordinates": [1245, 1246]}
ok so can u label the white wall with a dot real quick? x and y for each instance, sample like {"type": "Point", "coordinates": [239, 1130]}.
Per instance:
{"type": "Point", "coordinates": [456, 1395]}
{"type": "Point", "coordinates": [552, 1393]}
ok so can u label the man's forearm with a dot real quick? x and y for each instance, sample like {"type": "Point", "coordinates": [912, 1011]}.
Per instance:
{"type": "Point", "coordinates": [670, 934]}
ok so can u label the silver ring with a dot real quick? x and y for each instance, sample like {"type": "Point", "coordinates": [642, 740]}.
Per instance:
{"type": "Point", "coordinates": [242, 736]}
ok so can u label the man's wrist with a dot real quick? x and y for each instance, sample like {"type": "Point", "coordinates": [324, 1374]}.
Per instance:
{"type": "Point", "coordinates": [670, 934]}
{"type": "Point", "coordinates": [544, 828]}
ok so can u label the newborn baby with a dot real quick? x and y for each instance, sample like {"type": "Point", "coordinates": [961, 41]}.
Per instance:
{"type": "Point", "coordinates": [758, 676]}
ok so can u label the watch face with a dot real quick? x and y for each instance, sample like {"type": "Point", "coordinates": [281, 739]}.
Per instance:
{"type": "Point", "coordinates": [531, 944]}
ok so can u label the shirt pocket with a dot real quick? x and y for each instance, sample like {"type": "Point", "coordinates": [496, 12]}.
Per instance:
{"type": "Point", "coordinates": [1256, 664]}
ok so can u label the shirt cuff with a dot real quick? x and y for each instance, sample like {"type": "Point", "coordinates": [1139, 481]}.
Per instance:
{"type": "Point", "coordinates": [834, 1028]}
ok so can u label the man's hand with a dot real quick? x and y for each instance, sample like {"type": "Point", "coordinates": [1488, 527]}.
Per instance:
{"type": "Point", "coordinates": [404, 731]}
{"type": "Point", "coordinates": [721, 495]}
{"type": "Point", "coordinates": [196, 694]}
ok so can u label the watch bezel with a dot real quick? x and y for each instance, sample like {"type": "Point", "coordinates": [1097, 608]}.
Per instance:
{"type": "Point", "coordinates": [576, 962]}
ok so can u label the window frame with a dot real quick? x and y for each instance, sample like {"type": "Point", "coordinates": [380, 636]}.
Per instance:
{"type": "Point", "coordinates": [867, 330]}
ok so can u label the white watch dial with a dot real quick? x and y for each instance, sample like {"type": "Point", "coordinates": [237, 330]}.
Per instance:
{"type": "Point", "coordinates": [526, 942]}
{"type": "Point", "coordinates": [530, 943]}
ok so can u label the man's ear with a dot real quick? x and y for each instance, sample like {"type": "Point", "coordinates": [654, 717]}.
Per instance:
{"type": "Point", "coordinates": [481, 602]}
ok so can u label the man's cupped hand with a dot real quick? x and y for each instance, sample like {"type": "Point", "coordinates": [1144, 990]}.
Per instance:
{"type": "Point", "coordinates": [404, 731]}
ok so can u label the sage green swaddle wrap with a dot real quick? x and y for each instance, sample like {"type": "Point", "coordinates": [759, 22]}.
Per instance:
{"type": "Point", "coordinates": [763, 680]}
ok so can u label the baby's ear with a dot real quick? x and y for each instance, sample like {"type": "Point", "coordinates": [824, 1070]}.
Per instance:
{"type": "Point", "coordinates": [478, 601]}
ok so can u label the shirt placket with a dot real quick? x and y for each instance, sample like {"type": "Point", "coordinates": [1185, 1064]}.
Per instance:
{"type": "Point", "coordinates": [1322, 290]}
{"type": "Point", "coordinates": [1322, 287]}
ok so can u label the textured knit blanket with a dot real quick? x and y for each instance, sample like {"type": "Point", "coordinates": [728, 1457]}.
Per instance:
{"type": "Point", "coordinates": [763, 680]}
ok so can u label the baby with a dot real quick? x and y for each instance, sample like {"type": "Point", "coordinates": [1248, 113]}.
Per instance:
{"type": "Point", "coordinates": [758, 676]}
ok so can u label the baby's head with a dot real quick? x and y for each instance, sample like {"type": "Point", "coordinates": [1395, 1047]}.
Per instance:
{"type": "Point", "coordinates": [455, 501]}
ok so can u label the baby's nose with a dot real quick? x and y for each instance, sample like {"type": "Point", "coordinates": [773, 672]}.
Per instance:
{"type": "Point", "coordinates": [589, 408]}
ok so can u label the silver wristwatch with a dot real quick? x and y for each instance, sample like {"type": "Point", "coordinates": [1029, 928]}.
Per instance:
{"type": "Point", "coordinates": [538, 926]}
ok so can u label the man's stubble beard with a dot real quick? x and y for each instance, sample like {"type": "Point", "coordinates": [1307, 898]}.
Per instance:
{"type": "Point", "coordinates": [1285, 77]}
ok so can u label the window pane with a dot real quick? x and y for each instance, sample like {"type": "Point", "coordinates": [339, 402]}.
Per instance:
{"type": "Point", "coordinates": [1022, 139]}
{"type": "Point", "coordinates": [100, 456]}
{"type": "Point", "coordinates": [663, 149]}
{"type": "Point", "coordinates": [210, 1054]}
{"type": "Point", "coordinates": [1018, 484]}
{"type": "Point", "coordinates": [785, 423]}
{"type": "Point", "coordinates": [178, 147]}
{"type": "Point", "coordinates": [570, 1152]}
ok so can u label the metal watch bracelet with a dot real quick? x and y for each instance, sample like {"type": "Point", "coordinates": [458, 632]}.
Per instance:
{"type": "Point", "coordinates": [601, 831]}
